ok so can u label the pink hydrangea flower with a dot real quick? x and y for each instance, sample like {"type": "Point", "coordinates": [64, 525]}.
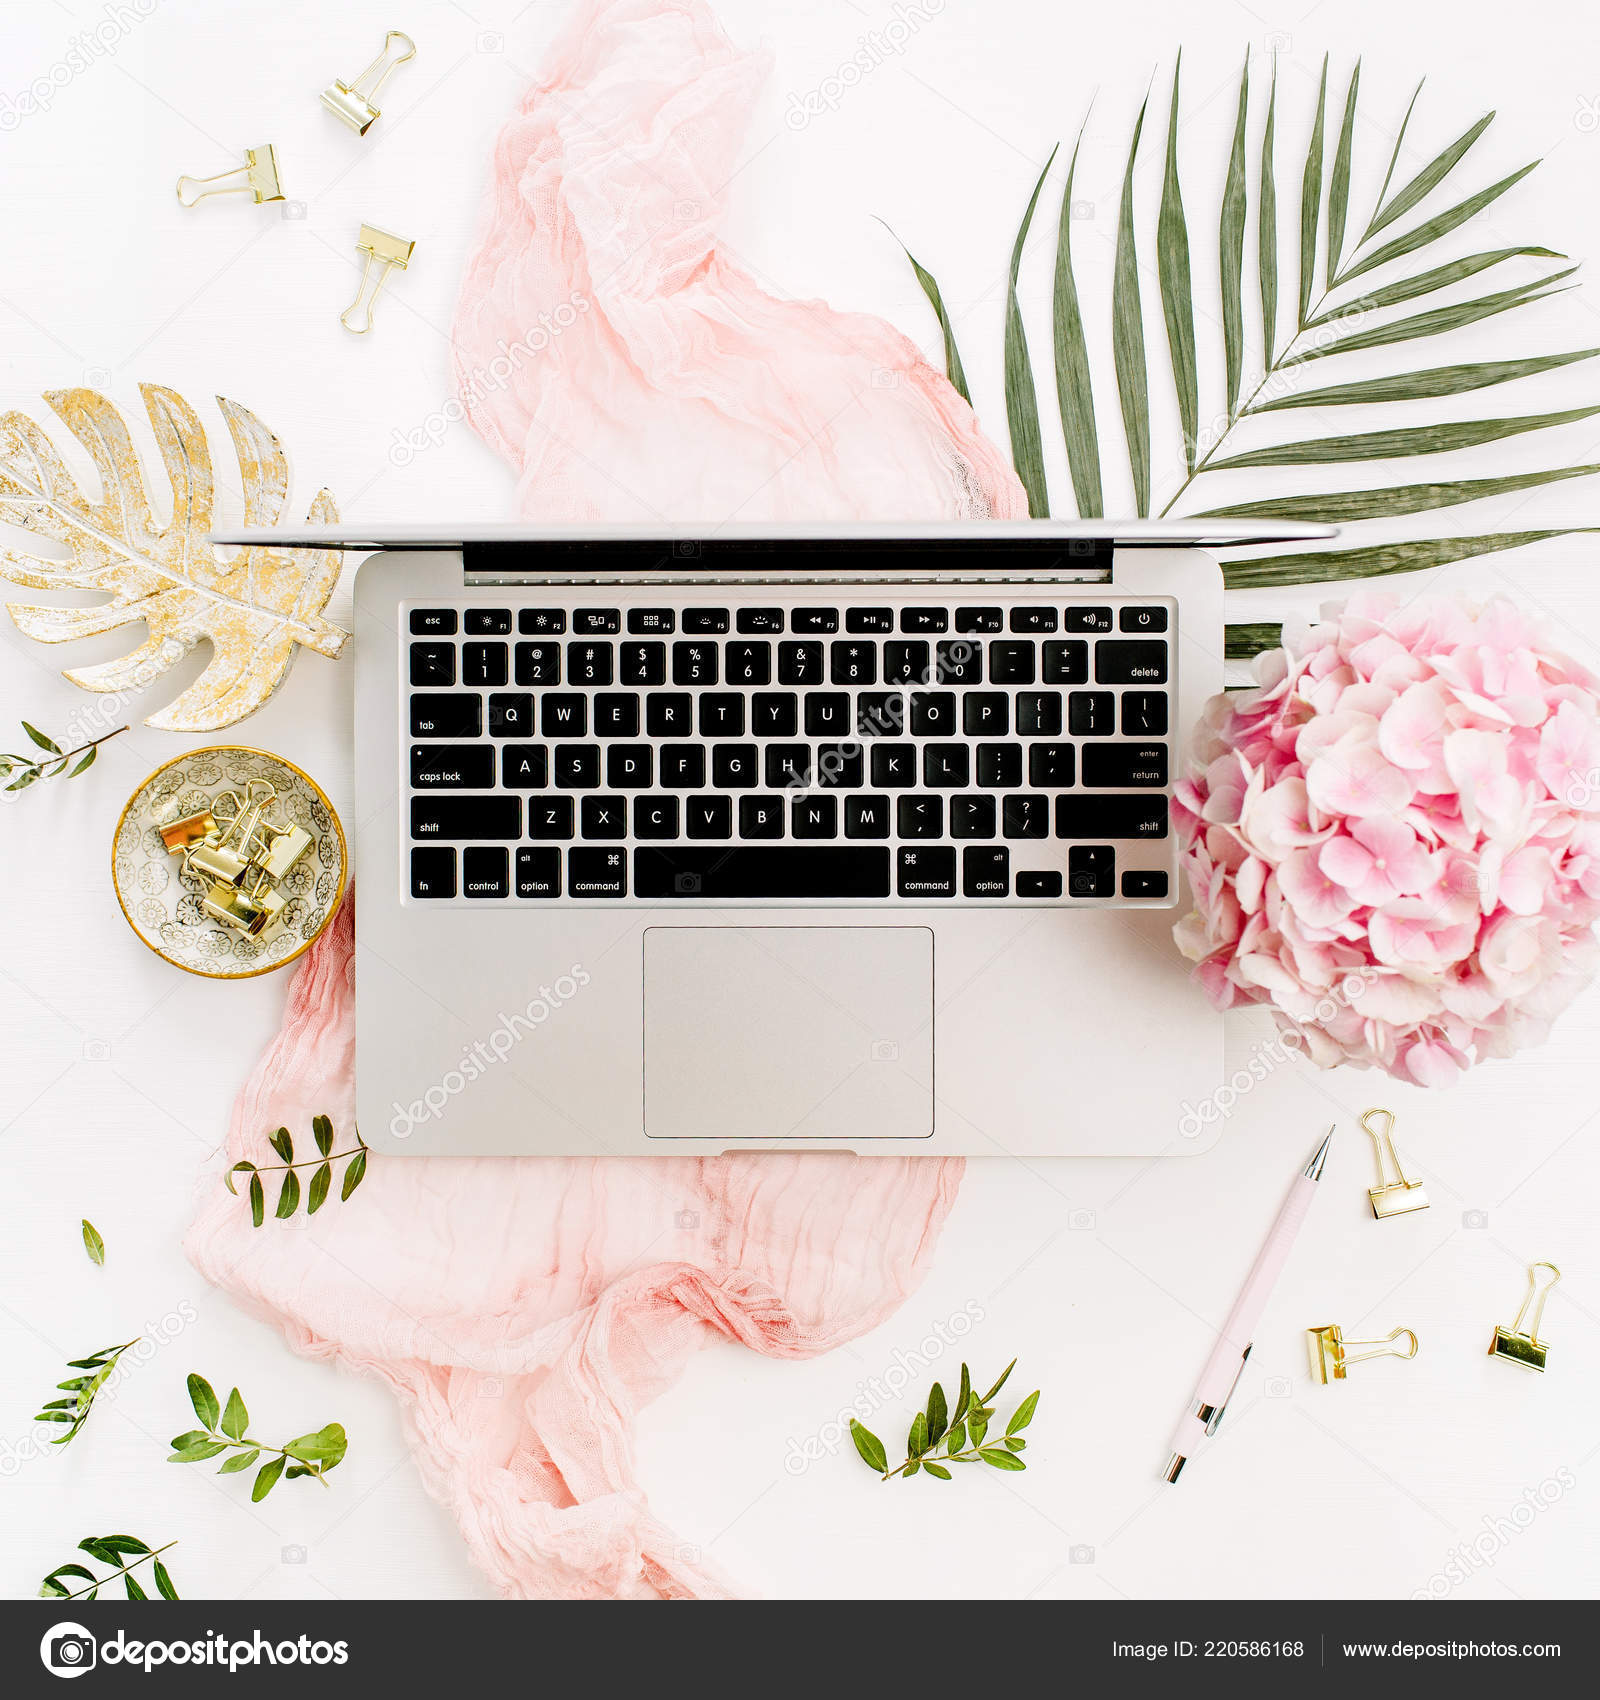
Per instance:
{"type": "Point", "coordinates": [1393, 840]}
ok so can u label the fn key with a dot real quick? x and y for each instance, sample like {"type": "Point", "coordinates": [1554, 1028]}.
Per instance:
{"type": "Point", "coordinates": [433, 871]}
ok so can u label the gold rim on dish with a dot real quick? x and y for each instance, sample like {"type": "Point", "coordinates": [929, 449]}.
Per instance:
{"type": "Point", "coordinates": [333, 816]}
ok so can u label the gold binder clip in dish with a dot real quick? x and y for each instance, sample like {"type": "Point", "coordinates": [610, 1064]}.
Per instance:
{"type": "Point", "coordinates": [352, 102]}
{"type": "Point", "coordinates": [185, 834]}
{"type": "Point", "coordinates": [385, 254]}
{"type": "Point", "coordinates": [1526, 1348]}
{"type": "Point", "coordinates": [1331, 1354]}
{"type": "Point", "coordinates": [259, 171]}
{"type": "Point", "coordinates": [1401, 1195]}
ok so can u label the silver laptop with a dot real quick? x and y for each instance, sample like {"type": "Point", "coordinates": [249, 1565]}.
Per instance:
{"type": "Point", "coordinates": [854, 839]}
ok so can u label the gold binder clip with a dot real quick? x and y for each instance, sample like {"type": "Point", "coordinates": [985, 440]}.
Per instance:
{"type": "Point", "coordinates": [352, 101]}
{"type": "Point", "coordinates": [259, 171]}
{"type": "Point", "coordinates": [1331, 1356]}
{"type": "Point", "coordinates": [1512, 1343]}
{"type": "Point", "coordinates": [387, 254]}
{"type": "Point", "coordinates": [286, 846]}
{"type": "Point", "coordinates": [1402, 1195]}
{"type": "Point", "coordinates": [193, 830]}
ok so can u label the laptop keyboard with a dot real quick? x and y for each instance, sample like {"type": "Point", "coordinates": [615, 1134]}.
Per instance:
{"type": "Point", "coordinates": [1002, 750]}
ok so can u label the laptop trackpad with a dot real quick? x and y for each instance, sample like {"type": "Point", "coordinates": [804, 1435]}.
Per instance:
{"type": "Point", "coordinates": [788, 1033]}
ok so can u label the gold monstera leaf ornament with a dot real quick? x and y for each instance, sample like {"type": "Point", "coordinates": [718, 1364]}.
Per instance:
{"type": "Point", "coordinates": [253, 606]}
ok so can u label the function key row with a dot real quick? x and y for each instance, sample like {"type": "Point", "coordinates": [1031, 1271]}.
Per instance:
{"type": "Point", "coordinates": [711, 622]}
{"type": "Point", "coordinates": [797, 661]}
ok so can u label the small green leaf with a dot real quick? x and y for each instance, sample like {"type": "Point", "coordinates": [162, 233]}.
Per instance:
{"type": "Point", "coordinates": [240, 1461]}
{"type": "Point", "coordinates": [317, 1193]}
{"type": "Point", "coordinates": [977, 1428]}
{"type": "Point", "coordinates": [199, 1452]}
{"type": "Point", "coordinates": [86, 763]}
{"type": "Point", "coordinates": [235, 1418]}
{"type": "Point", "coordinates": [237, 1169]}
{"type": "Point", "coordinates": [115, 1545]}
{"type": "Point", "coordinates": [1177, 296]}
{"type": "Point", "coordinates": [1001, 1459]}
{"type": "Point", "coordinates": [192, 1437]}
{"type": "Point", "coordinates": [322, 1132]}
{"type": "Point", "coordinates": [956, 1439]}
{"type": "Point", "coordinates": [25, 781]}
{"type": "Point", "coordinates": [353, 1174]}
{"type": "Point", "coordinates": [39, 738]}
{"type": "Point", "coordinates": [936, 1470]}
{"type": "Point", "coordinates": [267, 1479]}
{"type": "Point", "coordinates": [1005, 1375]}
{"type": "Point", "coordinates": [204, 1401]}
{"type": "Point", "coordinates": [328, 1445]}
{"type": "Point", "coordinates": [869, 1446]}
{"type": "Point", "coordinates": [163, 1580]}
{"type": "Point", "coordinates": [936, 1415]}
{"type": "Point", "coordinates": [1311, 200]}
{"type": "Point", "coordinates": [917, 1439]}
{"type": "Point", "coordinates": [131, 1583]}
{"type": "Point", "coordinates": [288, 1196]}
{"type": "Point", "coordinates": [283, 1144]}
{"type": "Point", "coordinates": [1014, 1442]}
{"type": "Point", "coordinates": [258, 1201]}
{"type": "Point", "coordinates": [1023, 1415]}
{"type": "Point", "coordinates": [964, 1397]}
{"type": "Point", "coordinates": [92, 1243]}
{"type": "Point", "coordinates": [1022, 401]}
{"type": "Point", "coordinates": [911, 1469]}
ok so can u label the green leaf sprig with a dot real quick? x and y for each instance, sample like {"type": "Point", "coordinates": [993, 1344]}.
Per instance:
{"type": "Point", "coordinates": [289, 1189]}
{"type": "Point", "coordinates": [96, 1368]}
{"type": "Point", "coordinates": [25, 770]}
{"type": "Point", "coordinates": [940, 1437]}
{"type": "Point", "coordinates": [123, 1553]}
{"type": "Point", "coordinates": [93, 1244]}
{"type": "Point", "coordinates": [224, 1430]}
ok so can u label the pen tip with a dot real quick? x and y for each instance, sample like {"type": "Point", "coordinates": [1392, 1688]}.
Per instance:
{"type": "Point", "coordinates": [1313, 1169]}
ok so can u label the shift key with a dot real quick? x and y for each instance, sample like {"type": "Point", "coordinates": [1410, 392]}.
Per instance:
{"type": "Point", "coordinates": [470, 819]}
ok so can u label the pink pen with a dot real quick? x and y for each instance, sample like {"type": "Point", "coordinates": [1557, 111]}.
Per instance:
{"type": "Point", "coordinates": [1228, 1357]}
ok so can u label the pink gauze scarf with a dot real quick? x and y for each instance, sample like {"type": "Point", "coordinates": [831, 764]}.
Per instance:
{"type": "Point", "coordinates": [670, 387]}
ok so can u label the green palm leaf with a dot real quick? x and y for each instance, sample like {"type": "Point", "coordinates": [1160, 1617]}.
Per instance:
{"type": "Point", "coordinates": [1230, 244]}
{"type": "Point", "coordinates": [1422, 386]}
{"type": "Point", "coordinates": [1074, 380]}
{"type": "Point", "coordinates": [1427, 179]}
{"type": "Point", "coordinates": [1375, 562]}
{"type": "Point", "coordinates": [1339, 183]}
{"type": "Point", "coordinates": [1022, 401]}
{"type": "Point", "coordinates": [1410, 440]}
{"type": "Point", "coordinates": [953, 369]}
{"type": "Point", "coordinates": [1346, 506]}
{"type": "Point", "coordinates": [1177, 296]}
{"type": "Point", "coordinates": [1311, 200]}
{"type": "Point", "coordinates": [1426, 282]}
{"type": "Point", "coordinates": [1442, 225]}
{"type": "Point", "coordinates": [1267, 226]}
{"type": "Point", "coordinates": [1127, 336]}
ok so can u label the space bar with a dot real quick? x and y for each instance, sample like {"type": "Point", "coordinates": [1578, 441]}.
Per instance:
{"type": "Point", "coordinates": [765, 870]}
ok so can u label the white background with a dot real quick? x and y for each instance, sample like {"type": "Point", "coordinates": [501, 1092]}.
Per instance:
{"type": "Point", "coordinates": [1105, 1277]}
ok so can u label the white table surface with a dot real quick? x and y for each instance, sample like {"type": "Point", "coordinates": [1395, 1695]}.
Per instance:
{"type": "Point", "coordinates": [116, 1072]}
